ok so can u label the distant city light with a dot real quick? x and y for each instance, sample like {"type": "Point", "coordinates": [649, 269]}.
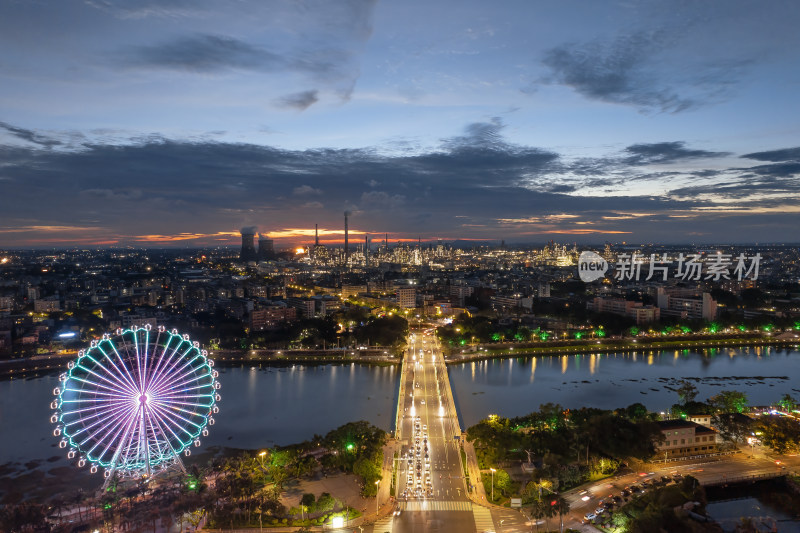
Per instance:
{"type": "Point", "coordinates": [66, 335]}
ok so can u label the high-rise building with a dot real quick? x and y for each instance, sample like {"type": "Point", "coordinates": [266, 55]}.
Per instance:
{"type": "Point", "coordinates": [248, 244]}
{"type": "Point", "coordinates": [266, 248]}
{"type": "Point", "coordinates": [346, 248]}
{"type": "Point", "coordinates": [406, 298]}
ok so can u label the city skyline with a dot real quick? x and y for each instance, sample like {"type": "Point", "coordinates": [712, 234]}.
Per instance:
{"type": "Point", "coordinates": [174, 124]}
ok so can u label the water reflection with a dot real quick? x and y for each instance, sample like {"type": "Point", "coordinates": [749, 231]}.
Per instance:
{"type": "Point", "coordinates": [261, 406]}
{"type": "Point", "coordinates": [613, 380]}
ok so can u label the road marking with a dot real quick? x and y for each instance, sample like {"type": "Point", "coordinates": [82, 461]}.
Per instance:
{"type": "Point", "coordinates": [434, 505]}
{"type": "Point", "coordinates": [384, 525]}
{"type": "Point", "coordinates": [483, 519]}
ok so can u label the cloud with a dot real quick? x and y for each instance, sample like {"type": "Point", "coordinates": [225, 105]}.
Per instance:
{"type": "Point", "coordinates": [206, 53]}
{"type": "Point", "coordinates": [305, 190]}
{"type": "Point", "coordinates": [380, 200]}
{"type": "Point", "coordinates": [613, 72]}
{"type": "Point", "coordinates": [665, 152]}
{"type": "Point", "coordinates": [300, 101]}
{"type": "Point", "coordinates": [138, 9]}
{"type": "Point", "coordinates": [635, 69]}
{"type": "Point", "coordinates": [113, 195]}
{"type": "Point", "coordinates": [30, 136]}
{"type": "Point", "coordinates": [155, 186]}
{"type": "Point", "coordinates": [784, 154]}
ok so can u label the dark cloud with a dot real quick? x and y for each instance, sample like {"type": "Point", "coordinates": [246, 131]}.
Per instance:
{"type": "Point", "coordinates": [381, 200]}
{"type": "Point", "coordinates": [305, 190]}
{"type": "Point", "coordinates": [785, 154]}
{"type": "Point", "coordinates": [300, 101]}
{"type": "Point", "coordinates": [631, 70]}
{"type": "Point", "coordinates": [778, 170]}
{"type": "Point", "coordinates": [665, 152]}
{"type": "Point", "coordinates": [207, 53]}
{"type": "Point", "coordinates": [162, 186]}
{"type": "Point", "coordinates": [30, 136]}
{"type": "Point", "coordinates": [562, 188]}
{"type": "Point", "coordinates": [614, 72]}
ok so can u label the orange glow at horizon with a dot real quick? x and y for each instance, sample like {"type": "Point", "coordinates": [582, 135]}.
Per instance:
{"type": "Point", "coordinates": [184, 236]}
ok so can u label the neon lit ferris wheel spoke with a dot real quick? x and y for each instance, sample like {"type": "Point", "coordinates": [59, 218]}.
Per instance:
{"type": "Point", "coordinates": [132, 402]}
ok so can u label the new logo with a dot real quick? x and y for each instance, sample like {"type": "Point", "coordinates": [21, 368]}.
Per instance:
{"type": "Point", "coordinates": [591, 266]}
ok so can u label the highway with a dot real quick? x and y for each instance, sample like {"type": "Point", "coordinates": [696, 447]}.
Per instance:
{"type": "Point", "coordinates": [431, 493]}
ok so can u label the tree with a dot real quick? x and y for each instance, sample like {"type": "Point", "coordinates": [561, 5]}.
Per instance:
{"type": "Point", "coordinates": [531, 491]}
{"type": "Point", "coordinates": [780, 433]}
{"type": "Point", "coordinates": [23, 517]}
{"type": "Point", "coordinates": [729, 401]}
{"type": "Point", "coordinates": [304, 466]}
{"type": "Point", "coordinates": [370, 472]}
{"type": "Point", "coordinates": [561, 506]}
{"type": "Point", "coordinates": [788, 403]}
{"type": "Point", "coordinates": [502, 482]}
{"type": "Point", "coordinates": [636, 412]}
{"type": "Point", "coordinates": [732, 427]}
{"type": "Point", "coordinates": [548, 511]}
{"type": "Point", "coordinates": [308, 499]}
{"type": "Point", "coordinates": [195, 517]}
{"type": "Point", "coordinates": [279, 476]}
{"type": "Point", "coordinates": [537, 512]}
{"type": "Point", "coordinates": [687, 392]}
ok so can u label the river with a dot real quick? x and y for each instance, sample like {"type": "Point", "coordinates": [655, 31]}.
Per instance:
{"type": "Point", "coordinates": [280, 405]}
{"type": "Point", "coordinates": [514, 387]}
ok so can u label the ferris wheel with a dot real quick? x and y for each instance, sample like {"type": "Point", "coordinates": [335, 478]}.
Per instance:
{"type": "Point", "coordinates": [134, 401]}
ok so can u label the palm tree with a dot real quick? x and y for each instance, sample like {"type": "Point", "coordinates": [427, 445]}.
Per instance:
{"type": "Point", "coordinates": [548, 510]}
{"type": "Point", "coordinates": [537, 512]}
{"type": "Point", "coordinates": [562, 507]}
{"type": "Point", "coordinates": [78, 499]}
{"type": "Point", "coordinates": [58, 506]}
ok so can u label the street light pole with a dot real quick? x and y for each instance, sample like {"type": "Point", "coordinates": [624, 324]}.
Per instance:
{"type": "Point", "coordinates": [493, 471]}
{"type": "Point", "coordinates": [261, 455]}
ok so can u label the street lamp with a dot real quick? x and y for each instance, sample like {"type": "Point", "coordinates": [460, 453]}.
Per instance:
{"type": "Point", "coordinates": [493, 471]}
{"type": "Point", "coordinates": [377, 494]}
{"type": "Point", "coordinates": [261, 455]}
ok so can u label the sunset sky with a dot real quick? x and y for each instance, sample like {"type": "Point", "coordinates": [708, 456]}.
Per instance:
{"type": "Point", "coordinates": [176, 122]}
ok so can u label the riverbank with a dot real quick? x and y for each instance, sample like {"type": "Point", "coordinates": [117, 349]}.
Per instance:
{"type": "Point", "coordinates": [44, 364]}
{"type": "Point", "coordinates": [372, 356]}
{"type": "Point", "coordinates": [617, 346]}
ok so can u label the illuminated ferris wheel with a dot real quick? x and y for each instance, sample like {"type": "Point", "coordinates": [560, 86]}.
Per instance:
{"type": "Point", "coordinates": [134, 401]}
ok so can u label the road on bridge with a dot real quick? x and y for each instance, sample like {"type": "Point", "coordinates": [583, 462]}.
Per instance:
{"type": "Point", "coordinates": [431, 489]}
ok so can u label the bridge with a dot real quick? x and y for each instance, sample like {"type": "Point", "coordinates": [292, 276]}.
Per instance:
{"type": "Point", "coordinates": [432, 493]}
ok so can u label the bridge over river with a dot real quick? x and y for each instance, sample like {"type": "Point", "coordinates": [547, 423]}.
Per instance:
{"type": "Point", "coordinates": [433, 492]}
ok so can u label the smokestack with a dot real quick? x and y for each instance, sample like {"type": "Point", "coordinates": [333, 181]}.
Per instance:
{"type": "Point", "coordinates": [248, 244]}
{"type": "Point", "coordinates": [316, 235]}
{"type": "Point", "coordinates": [346, 247]}
{"type": "Point", "coordinates": [366, 249]}
{"type": "Point", "coordinates": [386, 240]}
